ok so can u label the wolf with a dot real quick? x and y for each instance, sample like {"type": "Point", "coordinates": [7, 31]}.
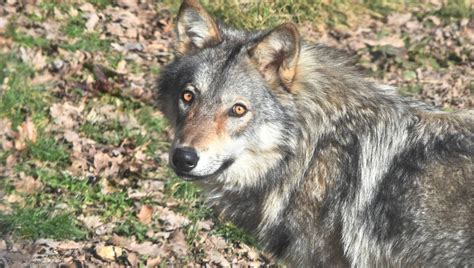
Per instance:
{"type": "Point", "coordinates": [324, 166]}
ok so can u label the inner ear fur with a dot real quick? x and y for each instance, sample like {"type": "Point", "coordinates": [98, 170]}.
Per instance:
{"type": "Point", "coordinates": [276, 54]}
{"type": "Point", "coordinates": [195, 27]}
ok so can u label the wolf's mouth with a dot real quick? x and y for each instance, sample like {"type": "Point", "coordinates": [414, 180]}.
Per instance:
{"type": "Point", "coordinates": [189, 177]}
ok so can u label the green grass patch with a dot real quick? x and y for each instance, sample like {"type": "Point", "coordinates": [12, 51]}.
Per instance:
{"type": "Point", "coordinates": [112, 132]}
{"type": "Point", "coordinates": [20, 99]}
{"type": "Point", "coordinates": [147, 117]}
{"type": "Point", "coordinates": [48, 150]}
{"type": "Point", "coordinates": [131, 227]}
{"type": "Point", "coordinates": [74, 27]}
{"type": "Point", "coordinates": [457, 9]}
{"type": "Point", "coordinates": [411, 90]}
{"type": "Point", "coordinates": [234, 234]}
{"type": "Point", "coordinates": [101, 3]}
{"type": "Point", "coordinates": [90, 42]}
{"type": "Point", "coordinates": [193, 207]}
{"type": "Point", "coordinates": [23, 39]}
{"type": "Point", "coordinates": [35, 223]}
{"type": "Point", "coordinates": [48, 6]}
{"type": "Point", "coordinates": [78, 193]}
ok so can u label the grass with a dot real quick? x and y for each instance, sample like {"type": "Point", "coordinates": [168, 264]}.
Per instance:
{"type": "Point", "coordinates": [19, 99]}
{"type": "Point", "coordinates": [24, 39]}
{"type": "Point", "coordinates": [265, 14]}
{"type": "Point", "coordinates": [48, 150]}
{"type": "Point", "coordinates": [34, 223]}
{"type": "Point", "coordinates": [456, 9]}
{"type": "Point", "coordinates": [74, 27]}
{"type": "Point", "coordinates": [131, 227]}
{"type": "Point", "coordinates": [90, 42]}
{"type": "Point", "coordinates": [78, 192]}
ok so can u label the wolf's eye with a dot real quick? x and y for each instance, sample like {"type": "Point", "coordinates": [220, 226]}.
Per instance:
{"type": "Point", "coordinates": [187, 96]}
{"type": "Point", "coordinates": [238, 110]}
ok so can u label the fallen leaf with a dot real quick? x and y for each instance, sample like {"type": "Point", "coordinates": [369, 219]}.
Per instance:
{"type": "Point", "coordinates": [28, 185]}
{"type": "Point", "coordinates": [146, 248]}
{"type": "Point", "coordinates": [145, 215]}
{"type": "Point", "coordinates": [3, 24]}
{"type": "Point", "coordinates": [92, 22]}
{"type": "Point", "coordinates": [26, 133]}
{"type": "Point", "coordinates": [178, 243]}
{"type": "Point", "coordinates": [217, 258]}
{"type": "Point", "coordinates": [171, 219]}
{"type": "Point", "coordinates": [397, 19]}
{"type": "Point", "coordinates": [392, 40]}
{"type": "Point", "coordinates": [3, 245]}
{"type": "Point", "coordinates": [69, 245]}
{"type": "Point", "coordinates": [205, 225]}
{"type": "Point", "coordinates": [66, 114]}
{"type": "Point", "coordinates": [109, 253]}
{"type": "Point", "coordinates": [134, 260]}
{"type": "Point", "coordinates": [87, 7]}
{"type": "Point", "coordinates": [127, 3]}
{"type": "Point", "coordinates": [114, 29]}
{"type": "Point", "coordinates": [153, 262]}
{"type": "Point", "coordinates": [91, 222]}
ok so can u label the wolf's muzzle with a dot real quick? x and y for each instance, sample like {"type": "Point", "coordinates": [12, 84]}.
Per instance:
{"type": "Point", "coordinates": [184, 159]}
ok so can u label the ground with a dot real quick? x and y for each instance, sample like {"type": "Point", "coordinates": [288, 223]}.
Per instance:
{"type": "Point", "coordinates": [83, 163]}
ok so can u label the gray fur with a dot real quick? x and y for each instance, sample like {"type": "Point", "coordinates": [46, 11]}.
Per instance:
{"type": "Point", "coordinates": [329, 169]}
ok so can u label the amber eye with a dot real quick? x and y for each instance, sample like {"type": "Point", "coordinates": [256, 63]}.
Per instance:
{"type": "Point", "coordinates": [239, 110]}
{"type": "Point", "coordinates": [187, 96]}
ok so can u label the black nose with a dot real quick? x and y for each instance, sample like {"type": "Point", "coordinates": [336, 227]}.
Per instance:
{"type": "Point", "coordinates": [185, 159]}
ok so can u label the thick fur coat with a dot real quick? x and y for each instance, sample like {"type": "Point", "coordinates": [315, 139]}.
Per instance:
{"type": "Point", "coordinates": [325, 167]}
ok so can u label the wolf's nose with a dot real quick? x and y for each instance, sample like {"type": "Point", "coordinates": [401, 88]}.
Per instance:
{"type": "Point", "coordinates": [185, 159]}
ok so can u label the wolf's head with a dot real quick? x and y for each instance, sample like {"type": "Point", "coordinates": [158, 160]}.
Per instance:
{"type": "Point", "coordinates": [225, 96]}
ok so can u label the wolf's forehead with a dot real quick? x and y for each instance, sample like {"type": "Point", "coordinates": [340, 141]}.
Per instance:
{"type": "Point", "coordinates": [204, 76]}
{"type": "Point", "coordinates": [214, 72]}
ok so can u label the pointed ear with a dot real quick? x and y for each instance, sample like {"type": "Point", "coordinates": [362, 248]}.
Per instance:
{"type": "Point", "coordinates": [196, 29]}
{"type": "Point", "coordinates": [276, 55]}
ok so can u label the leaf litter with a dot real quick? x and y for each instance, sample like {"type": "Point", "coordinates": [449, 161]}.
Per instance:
{"type": "Point", "coordinates": [98, 65]}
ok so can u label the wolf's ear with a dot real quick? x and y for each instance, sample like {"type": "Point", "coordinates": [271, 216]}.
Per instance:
{"type": "Point", "coordinates": [276, 55]}
{"type": "Point", "coordinates": [196, 29]}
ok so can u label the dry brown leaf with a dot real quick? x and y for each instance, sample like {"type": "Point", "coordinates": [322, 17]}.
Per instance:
{"type": "Point", "coordinates": [3, 24]}
{"type": "Point", "coordinates": [178, 243]}
{"type": "Point", "coordinates": [101, 161]}
{"type": "Point", "coordinates": [134, 260]}
{"type": "Point", "coordinates": [145, 215]}
{"type": "Point", "coordinates": [114, 29]}
{"type": "Point", "coordinates": [146, 248]}
{"type": "Point", "coordinates": [87, 7]}
{"type": "Point", "coordinates": [66, 114]}
{"type": "Point", "coordinates": [171, 219]}
{"type": "Point", "coordinates": [28, 185]}
{"type": "Point", "coordinates": [217, 242]}
{"type": "Point", "coordinates": [3, 245]}
{"type": "Point", "coordinates": [26, 133]}
{"type": "Point", "coordinates": [91, 222]}
{"type": "Point", "coordinates": [397, 19]}
{"type": "Point", "coordinates": [153, 262]}
{"type": "Point", "coordinates": [92, 22]}
{"type": "Point", "coordinates": [205, 225]}
{"type": "Point", "coordinates": [392, 40]}
{"type": "Point", "coordinates": [69, 245]}
{"type": "Point", "coordinates": [127, 3]}
{"type": "Point", "coordinates": [217, 258]}
{"type": "Point", "coordinates": [14, 198]}
{"type": "Point", "coordinates": [78, 166]}
{"type": "Point", "coordinates": [109, 253]}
